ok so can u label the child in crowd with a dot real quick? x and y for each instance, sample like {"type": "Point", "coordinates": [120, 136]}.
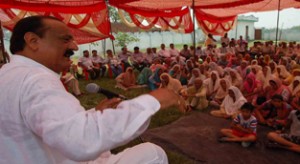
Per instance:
{"type": "Point", "coordinates": [243, 127]}
{"type": "Point", "coordinates": [289, 141]}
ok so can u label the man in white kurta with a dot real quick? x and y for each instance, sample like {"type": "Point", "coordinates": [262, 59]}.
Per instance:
{"type": "Point", "coordinates": [42, 123]}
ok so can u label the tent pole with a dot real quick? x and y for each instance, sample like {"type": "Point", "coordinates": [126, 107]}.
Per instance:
{"type": "Point", "coordinates": [194, 24]}
{"type": "Point", "coordinates": [278, 10]}
{"type": "Point", "coordinates": [112, 41]}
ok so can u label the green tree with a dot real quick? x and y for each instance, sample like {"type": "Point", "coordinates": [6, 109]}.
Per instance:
{"type": "Point", "coordinates": [123, 39]}
{"type": "Point", "coordinates": [113, 15]}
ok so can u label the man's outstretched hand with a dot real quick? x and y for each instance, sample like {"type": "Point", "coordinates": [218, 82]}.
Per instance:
{"type": "Point", "coordinates": [168, 98]}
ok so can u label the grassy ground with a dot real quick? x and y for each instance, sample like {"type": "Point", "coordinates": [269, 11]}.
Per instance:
{"type": "Point", "coordinates": [161, 118]}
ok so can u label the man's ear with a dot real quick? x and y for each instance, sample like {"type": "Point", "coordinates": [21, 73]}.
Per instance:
{"type": "Point", "coordinates": [31, 40]}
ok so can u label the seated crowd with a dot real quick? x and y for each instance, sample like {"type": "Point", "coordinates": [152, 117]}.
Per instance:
{"type": "Point", "coordinates": [250, 85]}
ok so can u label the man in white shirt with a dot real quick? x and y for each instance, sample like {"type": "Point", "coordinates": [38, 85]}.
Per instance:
{"type": "Point", "coordinates": [173, 51]}
{"type": "Point", "coordinates": [124, 55]}
{"type": "Point", "coordinates": [86, 63]}
{"type": "Point", "coordinates": [42, 123]}
{"type": "Point", "coordinates": [223, 49]}
{"type": "Point", "coordinates": [99, 62]}
{"type": "Point", "coordinates": [163, 52]}
{"type": "Point", "coordinates": [138, 59]}
{"type": "Point", "coordinates": [225, 39]}
{"type": "Point", "coordinates": [149, 56]}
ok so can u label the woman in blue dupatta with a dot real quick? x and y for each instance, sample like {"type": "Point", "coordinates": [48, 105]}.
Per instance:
{"type": "Point", "coordinates": [154, 79]}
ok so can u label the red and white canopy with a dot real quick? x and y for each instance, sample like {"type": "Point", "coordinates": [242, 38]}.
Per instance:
{"type": "Point", "coordinates": [89, 19]}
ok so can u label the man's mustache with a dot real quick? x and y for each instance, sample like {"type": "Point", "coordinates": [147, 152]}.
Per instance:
{"type": "Point", "coordinates": [69, 53]}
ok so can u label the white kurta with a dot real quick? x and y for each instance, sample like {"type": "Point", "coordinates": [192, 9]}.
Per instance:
{"type": "Point", "coordinates": [42, 123]}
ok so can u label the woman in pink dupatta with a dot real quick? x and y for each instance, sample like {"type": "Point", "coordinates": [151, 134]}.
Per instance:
{"type": "Point", "coordinates": [251, 88]}
{"type": "Point", "coordinates": [277, 88]}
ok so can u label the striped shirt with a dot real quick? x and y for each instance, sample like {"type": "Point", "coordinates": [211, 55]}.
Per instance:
{"type": "Point", "coordinates": [251, 123]}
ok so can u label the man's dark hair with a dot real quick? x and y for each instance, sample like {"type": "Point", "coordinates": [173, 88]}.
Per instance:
{"type": "Point", "coordinates": [248, 107]}
{"type": "Point", "coordinates": [277, 97]}
{"type": "Point", "coordinates": [94, 51]}
{"type": "Point", "coordinates": [32, 24]}
{"type": "Point", "coordinates": [136, 48]}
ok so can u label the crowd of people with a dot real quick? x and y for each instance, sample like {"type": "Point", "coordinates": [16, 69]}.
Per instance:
{"type": "Point", "coordinates": [42, 123]}
{"type": "Point", "coordinates": [262, 81]}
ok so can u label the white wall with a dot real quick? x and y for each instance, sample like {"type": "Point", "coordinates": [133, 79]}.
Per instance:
{"type": "Point", "coordinates": [155, 39]}
{"type": "Point", "coordinates": [240, 29]}
{"type": "Point", "coordinates": [147, 39]}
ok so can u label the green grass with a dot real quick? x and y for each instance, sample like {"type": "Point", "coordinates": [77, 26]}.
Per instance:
{"type": "Point", "coordinates": [161, 118]}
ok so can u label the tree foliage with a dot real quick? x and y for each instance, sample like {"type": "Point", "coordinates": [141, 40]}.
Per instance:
{"type": "Point", "coordinates": [123, 39]}
{"type": "Point", "coordinates": [113, 15]}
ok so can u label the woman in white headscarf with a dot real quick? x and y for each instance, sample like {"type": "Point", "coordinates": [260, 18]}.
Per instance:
{"type": "Point", "coordinates": [294, 87]}
{"type": "Point", "coordinates": [231, 104]}
{"type": "Point", "coordinates": [281, 72]}
{"type": "Point", "coordinates": [242, 69]}
{"type": "Point", "coordinates": [215, 67]}
{"type": "Point", "coordinates": [257, 71]}
{"type": "Point", "coordinates": [195, 74]}
{"type": "Point", "coordinates": [235, 78]}
{"type": "Point", "coordinates": [221, 92]}
{"type": "Point", "coordinates": [213, 84]}
{"type": "Point", "coordinates": [196, 95]}
{"type": "Point", "coordinates": [273, 66]}
{"type": "Point", "coordinates": [265, 77]}
{"type": "Point", "coordinates": [170, 83]}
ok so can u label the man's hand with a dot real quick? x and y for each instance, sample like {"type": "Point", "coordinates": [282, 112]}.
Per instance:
{"type": "Point", "coordinates": [108, 103]}
{"type": "Point", "coordinates": [168, 98]}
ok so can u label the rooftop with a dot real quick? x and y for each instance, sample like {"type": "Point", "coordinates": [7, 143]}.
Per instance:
{"type": "Point", "coordinates": [250, 18]}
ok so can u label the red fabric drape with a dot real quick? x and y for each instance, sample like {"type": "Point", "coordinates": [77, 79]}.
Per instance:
{"type": "Point", "coordinates": [172, 4]}
{"type": "Point", "coordinates": [70, 6]}
{"type": "Point", "coordinates": [90, 25]}
{"type": "Point", "coordinates": [212, 24]}
{"type": "Point", "coordinates": [174, 19]}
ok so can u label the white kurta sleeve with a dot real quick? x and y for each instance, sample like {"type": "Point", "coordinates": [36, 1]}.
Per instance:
{"type": "Point", "coordinates": [63, 124]}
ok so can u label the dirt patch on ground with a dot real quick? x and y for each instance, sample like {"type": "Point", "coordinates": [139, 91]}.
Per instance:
{"type": "Point", "coordinates": [196, 137]}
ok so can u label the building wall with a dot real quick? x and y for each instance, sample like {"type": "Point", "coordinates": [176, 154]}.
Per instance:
{"type": "Point", "coordinates": [286, 35]}
{"type": "Point", "coordinates": [240, 29]}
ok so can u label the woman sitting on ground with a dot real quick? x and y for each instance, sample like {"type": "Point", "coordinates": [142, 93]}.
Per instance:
{"type": "Point", "coordinates": [213, 84]}
{"type": "Point", "coordinates": [170, 83]}
{"type": "Point", "coordinates": [235, 78]}
{"type": "Point", "coordinates": [251, 88]}
{"type": "Point", "coordinates": [294, 87]}
{"type": "Point", "coordinates": [231, 104]}
{"type": "Point", "coordinates": [196, 95]}
{"type": "Point", "coordinates": [281, 72]}
{"type": "Point", "coordinates": [265, 77]}
{"type": "Point", "coordinates": [126, 80]}
{"type": "Point", "coordinates": [221, 92]}
{"type": "Point", "coordinates": [143, 77]}
{"type": "Point", "coordinates": [277, 88]}
{"type": "Point", "coordinates": [154, 79]}
{"type": "Point", "coordinates": [195, 74]}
